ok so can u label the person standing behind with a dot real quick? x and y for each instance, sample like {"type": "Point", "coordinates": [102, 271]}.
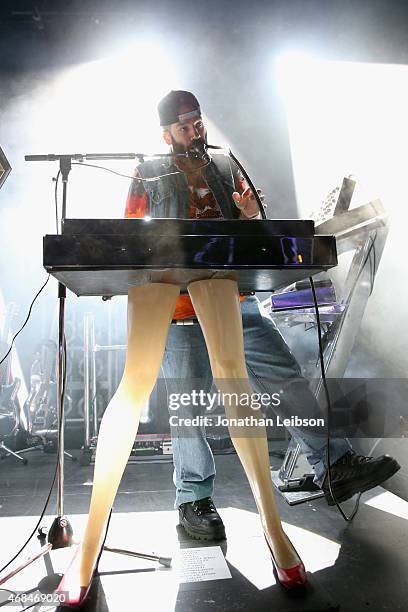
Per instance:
{"type": "Point", "coordinates": [193, 188]}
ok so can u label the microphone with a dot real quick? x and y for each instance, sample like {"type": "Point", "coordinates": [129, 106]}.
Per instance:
{"type": "Point", "coordinates": [198, 150]}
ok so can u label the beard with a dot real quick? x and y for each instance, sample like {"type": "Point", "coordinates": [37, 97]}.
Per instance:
{"type": "Point", "coordinates": [177, 147]}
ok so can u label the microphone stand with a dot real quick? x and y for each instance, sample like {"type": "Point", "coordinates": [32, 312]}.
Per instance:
{"type": "Point", "coordinates": [60, 533]}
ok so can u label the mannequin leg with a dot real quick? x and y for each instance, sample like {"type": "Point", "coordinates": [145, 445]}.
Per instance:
{"type": "Point", "coordinates": [217, 306]}
{"type": "Point", "coordinates": [150, 309]}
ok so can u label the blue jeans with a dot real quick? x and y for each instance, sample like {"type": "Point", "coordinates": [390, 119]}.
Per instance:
{"type": "Point", "coordinates": [268, 359]}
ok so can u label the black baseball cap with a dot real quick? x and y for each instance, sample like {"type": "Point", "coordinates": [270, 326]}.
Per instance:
{"type": "Point", "coordinates": [168, 107]}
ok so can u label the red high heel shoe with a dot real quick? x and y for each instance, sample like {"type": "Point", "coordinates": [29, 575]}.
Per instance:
{"type": "Point", "coordinates": [72, 596]}
{"type": "Point", "coordinates": [290, 578]}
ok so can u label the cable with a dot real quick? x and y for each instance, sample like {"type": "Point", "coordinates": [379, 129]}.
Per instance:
{"type": "Point", "coordinates": [25, 322]}
{"type": "Point", "coordinates": [45, 506]}
{"type": "Point", "coordinates": [135, 178]}
{"type": "Point", "coordinates": [138, 178]}
{"type": "Point", "coordinates": [251, 185]}
{"type": "Point", "coordinates": [59, 437]}
{"type": "Point", "coordinates": [319, 334]}
{"type": "Point", "coordinates": [50, 491]}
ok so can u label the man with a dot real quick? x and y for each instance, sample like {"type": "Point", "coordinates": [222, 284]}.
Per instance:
{"type": "Point", "coordinates": [198, 187]}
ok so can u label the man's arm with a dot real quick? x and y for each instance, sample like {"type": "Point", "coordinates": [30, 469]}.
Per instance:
{"type": "Point", "coordinates": [137, 203]}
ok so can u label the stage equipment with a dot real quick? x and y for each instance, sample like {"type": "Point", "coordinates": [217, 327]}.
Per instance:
{"type": "Point", "coordinates": [5, 167]}
{"type": "Point", "coordinates": [40, 408]}
{"type": "Point", "coordinates": [336, 202]}
{"type": "Point", "coordinates": [360, 236]}
{"type": "Point", "coordinates": [106, 256]}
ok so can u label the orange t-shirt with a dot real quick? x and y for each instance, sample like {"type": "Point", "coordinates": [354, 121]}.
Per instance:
{"type": "Point", "coordinates": [202, 205]}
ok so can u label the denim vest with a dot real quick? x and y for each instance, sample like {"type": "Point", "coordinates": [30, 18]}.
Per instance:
{"type": "Point", "coordinates": [169, 195]}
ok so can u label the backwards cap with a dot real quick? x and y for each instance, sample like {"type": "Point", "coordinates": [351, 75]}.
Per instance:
{"type": "Point", "coordinates": [169, 106]}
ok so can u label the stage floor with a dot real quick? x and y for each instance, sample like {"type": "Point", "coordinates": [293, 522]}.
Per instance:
{"type": "Point", "coordinates": [352, 567]}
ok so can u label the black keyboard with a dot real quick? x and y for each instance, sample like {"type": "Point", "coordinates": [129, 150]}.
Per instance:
{"type": "Point", "coordinates": [107, 256]}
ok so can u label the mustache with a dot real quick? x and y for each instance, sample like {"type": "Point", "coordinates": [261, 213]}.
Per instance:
{"type": "Point", "coordinates": [198, 146]}
{"type": "Point", "coordinates": [198, 143]}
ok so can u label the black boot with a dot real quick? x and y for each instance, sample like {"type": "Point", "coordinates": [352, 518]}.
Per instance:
{"type": "Point", "coordinates": [201, 520]}
{"type": "Point", "coordinates": [354, 473]}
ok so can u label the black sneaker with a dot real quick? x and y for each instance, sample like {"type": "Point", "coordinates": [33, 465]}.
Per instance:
{"type": "Point", "coordinates": [354, 473]}
{"type": "Point", "coordinates": [201, 520]}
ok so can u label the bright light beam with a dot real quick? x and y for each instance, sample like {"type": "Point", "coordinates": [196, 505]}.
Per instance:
{"type": "Point", "coordinates": [345, 118]}
{"type": "Point", "coordinates": [109, 105]}
{"type": "Point", "coordinates": [390, 503]}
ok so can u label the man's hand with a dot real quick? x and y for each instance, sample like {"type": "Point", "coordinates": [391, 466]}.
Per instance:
{"type": "Point", "coordinates": [247, 204]}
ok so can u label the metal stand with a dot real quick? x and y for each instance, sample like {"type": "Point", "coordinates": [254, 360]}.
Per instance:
{"type": "Point", "coordinates": [91, 420]}
{"type": "Point", "coordinates": [90, 350]}
{"type": "Point", "coordinates": [17, 454]}
{"type": "Point", "coordinates": [8, 451]}
{"type": "Point", "coordinates": [354, 230]}
{"type": "Point", "coordinates": [295, 489]}
{"type": "Point", "coordinates": [60, 533]}
{"type": "Point", "coordinates": [166, 561]}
